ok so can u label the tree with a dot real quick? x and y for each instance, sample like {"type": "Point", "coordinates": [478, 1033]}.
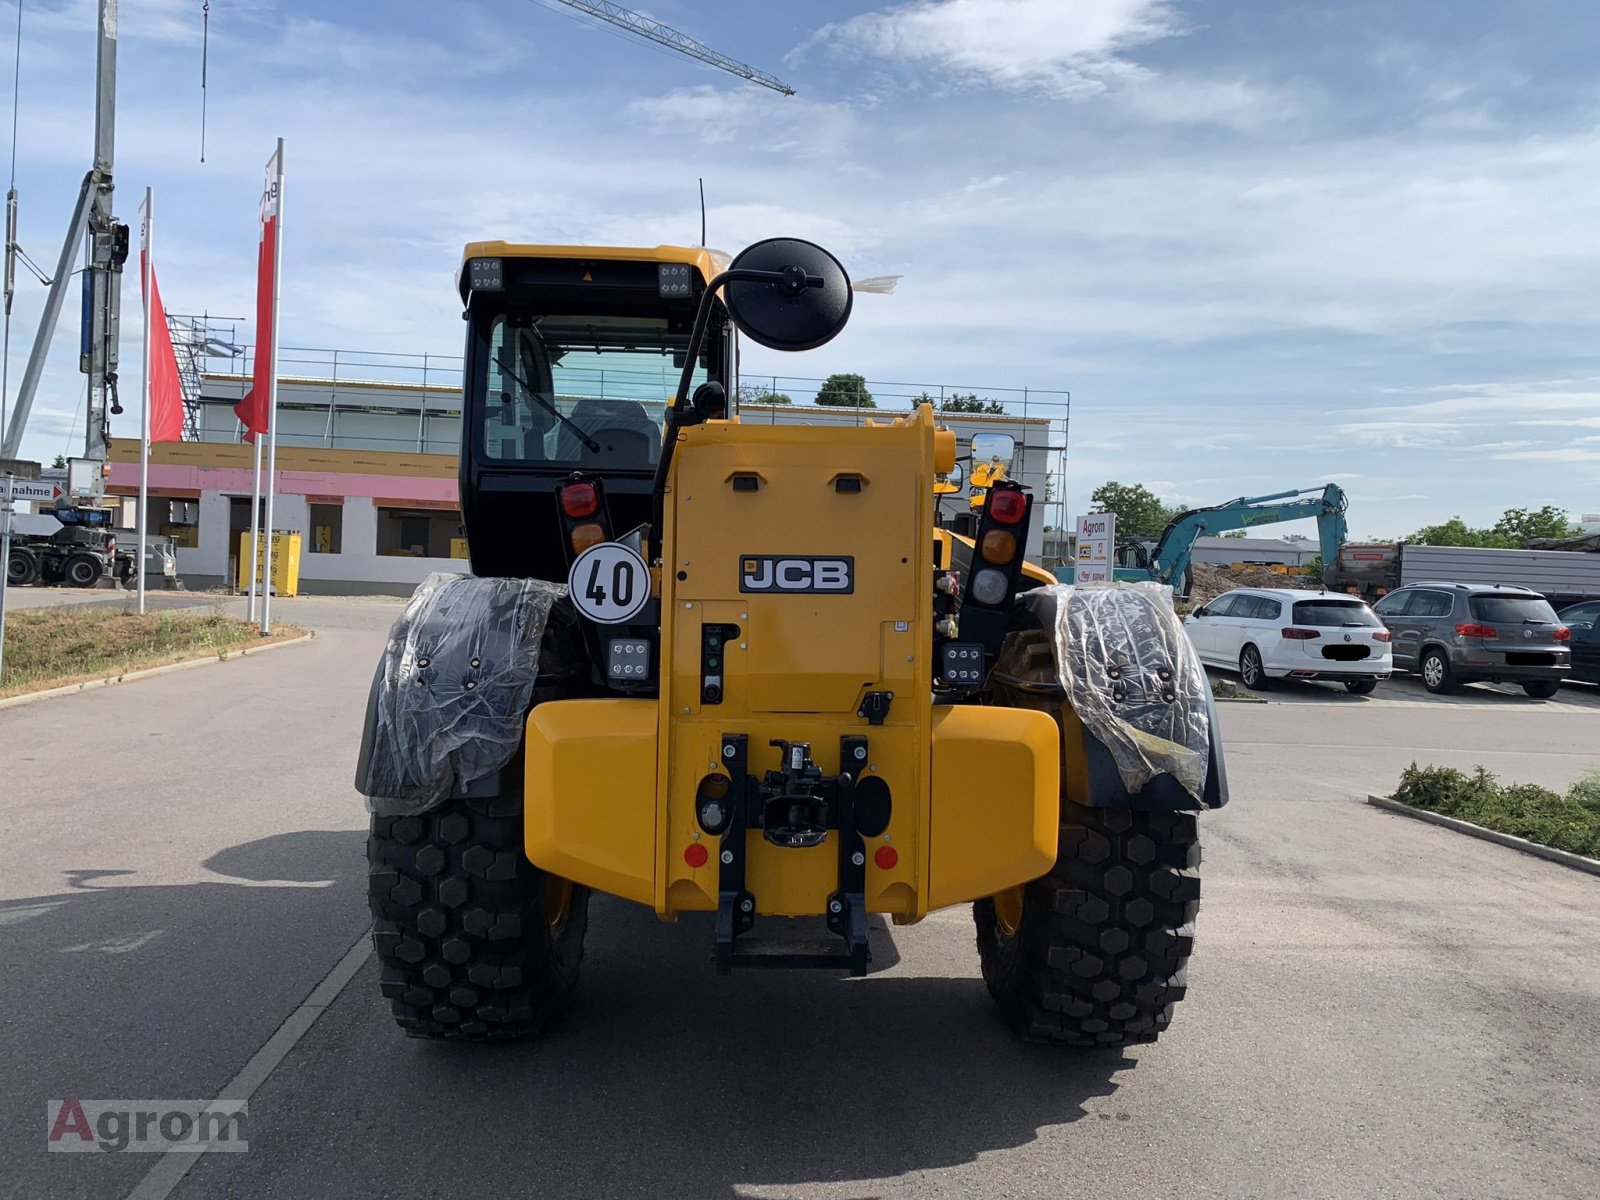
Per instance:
{"type": "Point", "coordinates": [768, 398]}
{"type": "Point", "coordinates": [1456, 532]}
{"type": "Point", "coordinates": [970, 403]}
{"type": "Point", "coordinates": [60, 463]}
{"type": "Point", "coordinates": [1140, 513]}
{"type": "Point", "coordinates": [1524, 526]}
{"type": "Point", "coordinates": [1235, 533]}
{"type": "Point", "coordinates": [845, 391]}
{"type": "Point", "coordinates": [1513, 531]}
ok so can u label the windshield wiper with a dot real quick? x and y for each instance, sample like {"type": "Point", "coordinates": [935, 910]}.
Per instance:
{"type": "Point", "coordinates": [592, 445]}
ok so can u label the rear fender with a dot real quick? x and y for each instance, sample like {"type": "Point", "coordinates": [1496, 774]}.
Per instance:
{"type": "Point", "coordinates": [1130, 621]}
{"type": "Point", "coordinates": [447, 704]}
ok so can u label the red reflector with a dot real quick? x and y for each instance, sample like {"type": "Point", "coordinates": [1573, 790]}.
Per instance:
{"type": "Point", "coordinates": [886, 857]}
{"type": "Point", "coordinates": [695, 855]}
{"type": "Point", "coordinates": [1383, 635]}
{"type": "Point", "coordinates": [1478, 631]}
{"type": "Point", "coordinates": [1300, 635]}
{"type": "Point", "coordinates": [1563, 634]}
{"type": "Point", "coordinates": [579, 500]}
{"type": "Point", "coordinates": [1007, 505]}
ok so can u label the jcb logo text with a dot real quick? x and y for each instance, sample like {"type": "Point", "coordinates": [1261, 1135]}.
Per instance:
{"type": "Point", "coordinates": [796, 574]}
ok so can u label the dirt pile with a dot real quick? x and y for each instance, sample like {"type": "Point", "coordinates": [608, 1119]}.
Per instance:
{"type": "Point", "coordinates": [1211, 581]}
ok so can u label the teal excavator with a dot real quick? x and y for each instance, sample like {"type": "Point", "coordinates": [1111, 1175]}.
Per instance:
{"type": "Point", "coordinates": [1167, 559]}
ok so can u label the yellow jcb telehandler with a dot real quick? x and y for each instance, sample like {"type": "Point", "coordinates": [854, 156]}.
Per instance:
{"type": "Point", "coordinates": [737, 669]}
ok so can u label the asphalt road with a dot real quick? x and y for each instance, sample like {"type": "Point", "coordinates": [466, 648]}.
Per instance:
{"type": "Point", "coordinates": [1378, 1007]}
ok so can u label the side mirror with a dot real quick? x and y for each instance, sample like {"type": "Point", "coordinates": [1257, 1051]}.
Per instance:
{"type": "Point", "coordinates": [795, 314]}
{"type": "Point", "coordinates": [951, 482]}
{"type": "Point", "coordinates": [995, 449]}
{"type": "Point", "coordinates": [1199, 612]}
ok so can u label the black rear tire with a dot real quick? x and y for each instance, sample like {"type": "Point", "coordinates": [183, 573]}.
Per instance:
{"type": "Point", "coordinates": [1361, 687]}
{"type": "Point", "coordinates": [1101, 953]}
{"type": "Point", "coordinates": [1542, 689]}
{"type": "Point", "coordinates": [82, 570]}
{"type": "Point", "coordinates": [1096, 952]}
{"type": "Point", "coordinates": [473, 940]}
{"type": "Point", "coordinates": [23, 567]}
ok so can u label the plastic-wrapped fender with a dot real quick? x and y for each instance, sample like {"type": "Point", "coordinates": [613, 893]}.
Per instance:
{"type": "Point", "coordinates": [1133, 679]}
{"type": "Point", "coordinates": [453, 688]}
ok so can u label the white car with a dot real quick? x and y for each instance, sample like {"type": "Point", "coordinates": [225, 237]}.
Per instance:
{"type": "Point", "coordinates": [1274, 633]}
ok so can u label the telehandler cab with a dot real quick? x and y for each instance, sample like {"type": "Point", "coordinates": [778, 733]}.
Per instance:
{"type": "Point", "coordinates": [737, 669]}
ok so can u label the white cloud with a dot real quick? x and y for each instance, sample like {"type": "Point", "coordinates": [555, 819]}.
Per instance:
{"type": "Point", "coordinates": [1064, 49]}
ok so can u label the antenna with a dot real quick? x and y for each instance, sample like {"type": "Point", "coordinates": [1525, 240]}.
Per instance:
{"type": "Point", "coordinates": [702, 211]}
{"type": "Point", "coordinates": [205, 56]}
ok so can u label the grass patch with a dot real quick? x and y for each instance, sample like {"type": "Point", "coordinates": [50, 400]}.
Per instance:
{"type": "Point", "coordinates": [53, 647]}
{"type": "Point", "coordinates": [1569, 821]}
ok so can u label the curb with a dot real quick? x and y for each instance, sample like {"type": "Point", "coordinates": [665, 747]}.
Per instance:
{"type": "Point", "coordinates": [129, 676]}
{"type": "Point", "coordinates": [1565, 857]}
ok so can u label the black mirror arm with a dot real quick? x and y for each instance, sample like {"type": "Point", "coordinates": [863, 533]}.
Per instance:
{"type": "Point", "coordinates": [792, 280]}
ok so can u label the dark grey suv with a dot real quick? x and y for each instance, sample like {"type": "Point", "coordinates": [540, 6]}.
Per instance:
{"type": "Point", "coordinates": [1455, 633]}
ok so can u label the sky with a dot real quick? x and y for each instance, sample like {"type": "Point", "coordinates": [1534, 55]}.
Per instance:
{"type": "Point", "coordinates": [1265, 244]}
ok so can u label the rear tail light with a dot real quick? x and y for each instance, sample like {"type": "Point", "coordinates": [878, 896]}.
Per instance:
{"type": "Point", "coordinates": [1007, 505]}
{"type": "Point", "coordinates": [579, 500]}
{"type": "Point", "coordinates": [1563, 634]}
{"type": "Point", "coordinates": [591, 533]}
{"type": "Point", "coordinates": [1383, 635]}
{"type": "Point", "coordinates": [1469, 629]}
{"type": "Point", "coordinates": [1300, 635]}
{"type": "Point", "coordinates": [999, 546]}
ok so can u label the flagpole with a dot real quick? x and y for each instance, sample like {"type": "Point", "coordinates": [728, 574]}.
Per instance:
{"type": "Point", "coordinates": [272, 398]}
{"type": "Point", "coordinates": [146, 268]}
{"type": "Point", "coordinates": [255, 521]}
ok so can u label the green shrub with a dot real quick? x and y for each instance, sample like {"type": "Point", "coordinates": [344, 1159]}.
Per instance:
{"type": "Point", "coordinates": [1525, 810]}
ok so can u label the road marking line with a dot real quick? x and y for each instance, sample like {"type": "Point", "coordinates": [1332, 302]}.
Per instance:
{"type": "Point", "coordinates": [172, 1166]}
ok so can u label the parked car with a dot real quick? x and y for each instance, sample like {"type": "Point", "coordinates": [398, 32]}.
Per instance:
{"type": "Point", "coordinates": [1584, 622]}
{"type": "Point", "coordinates": [1455, 633]}
{"type": "Point", "coordinates": [1276, 633]}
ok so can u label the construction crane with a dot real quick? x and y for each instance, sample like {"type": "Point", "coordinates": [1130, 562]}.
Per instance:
{"type": "Point", "coordinates": [665, 35]}
{"type": "Point", "coordinates": [102, 288]}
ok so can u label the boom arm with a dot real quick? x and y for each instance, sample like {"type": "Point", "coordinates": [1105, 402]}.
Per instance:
{"type": "Point", "coordinates": [1169, 563]}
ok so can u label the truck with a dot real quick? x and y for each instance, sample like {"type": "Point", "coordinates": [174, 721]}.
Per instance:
{"type": "Point", "coordinates": [737, 674]}
{"type": "Point", "coordinates": [72, 553]}
{"type": "Point", "coordinates": [1372, 569]}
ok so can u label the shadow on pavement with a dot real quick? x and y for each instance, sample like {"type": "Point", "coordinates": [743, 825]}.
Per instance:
{"type": "Point", "coordinates": [662, 1080]}
{"type": "Point", "coordinates": [116, 990]}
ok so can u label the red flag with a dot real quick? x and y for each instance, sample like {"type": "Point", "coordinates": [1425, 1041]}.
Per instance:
{"type": "Point", "coordinates": [255, 410]}
{"type": "Point", "coordinates": [166, 392]}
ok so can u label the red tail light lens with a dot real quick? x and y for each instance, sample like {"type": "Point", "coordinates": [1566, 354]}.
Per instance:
{"type": "Point", "coordinates": [579, 500]}
{"type": "Point", "coordinates": [1383, 635]}
{"type": "Point", "coordinates": [1563, 634]}
{"type": "Point", "coordinates": [1007, 505]}
{"type": "Point", "coordinates": [1300, 635]}
{"type": "Point", "coordinates": [1478, 631]}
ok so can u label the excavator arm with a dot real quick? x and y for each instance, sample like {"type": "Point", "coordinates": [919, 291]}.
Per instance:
{"type": "Point", "coordinates": [1169, 562]}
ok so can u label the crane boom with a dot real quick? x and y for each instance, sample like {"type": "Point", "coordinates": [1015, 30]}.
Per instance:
{"type": "Point", "coordinates": [665, 35]}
